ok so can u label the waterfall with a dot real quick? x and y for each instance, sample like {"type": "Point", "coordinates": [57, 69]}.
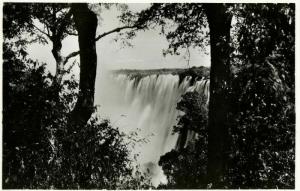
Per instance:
{"type": "Point", "coordinates": [146, 105]}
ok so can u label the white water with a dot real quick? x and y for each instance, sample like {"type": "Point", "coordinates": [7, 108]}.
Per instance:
{"type": "Point", "coordinates": [148, 107]}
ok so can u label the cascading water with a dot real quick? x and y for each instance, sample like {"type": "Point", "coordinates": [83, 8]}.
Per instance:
{"type": "Point", "coordinates": [146, 105]}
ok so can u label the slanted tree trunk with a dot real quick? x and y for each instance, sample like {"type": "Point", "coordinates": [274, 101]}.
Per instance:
{"type": "Point", "coordinates": [59, 59]}
{"type": "Point", "coordinates": [219, 24]}
{"type": "Point", "coordinates": [58, 30]}
{"type": "Point", "coordinates": [86, 25]}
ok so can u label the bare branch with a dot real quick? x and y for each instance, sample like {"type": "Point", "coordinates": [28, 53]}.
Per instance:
{"type": "Point", "coordinates": [41, 31]}
{"type": "Point", "coordinates": [71, 55]}
{"type": "Point", "coordinates": [70, 67]}
{"type": "Point", "coordinates": [115, 30]}
{"type": "Point", "coordinates": [48, 29]}
{"type": "Point", "coordinates": [71, 33]}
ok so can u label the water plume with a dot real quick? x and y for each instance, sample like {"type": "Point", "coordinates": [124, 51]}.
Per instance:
{"type": "Point", "coordinates": [146, 104]}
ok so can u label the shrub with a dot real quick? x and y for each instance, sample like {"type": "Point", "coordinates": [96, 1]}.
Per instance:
{"type": "Point", "coordinates": [41, 150]}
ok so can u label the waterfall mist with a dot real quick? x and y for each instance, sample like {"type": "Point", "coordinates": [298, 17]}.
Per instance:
{"type": "Point", "coordinates": [145, 105]}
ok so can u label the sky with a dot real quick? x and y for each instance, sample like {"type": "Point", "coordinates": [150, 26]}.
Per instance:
{"type": "Point", "coordinates": [146, 52]}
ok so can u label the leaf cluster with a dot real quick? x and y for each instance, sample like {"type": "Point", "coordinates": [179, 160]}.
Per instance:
{"type": "Point", "coordinates": [40, 21]}
{"type": "Point", "coordinates": [183, 24]}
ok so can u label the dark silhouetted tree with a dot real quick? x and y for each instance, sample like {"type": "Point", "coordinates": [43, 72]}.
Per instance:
{"type": "Point", "coordinates": [192, 22]}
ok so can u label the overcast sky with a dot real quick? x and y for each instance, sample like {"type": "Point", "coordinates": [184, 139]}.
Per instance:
{"type": "Point", "coordinates": [146, 53]}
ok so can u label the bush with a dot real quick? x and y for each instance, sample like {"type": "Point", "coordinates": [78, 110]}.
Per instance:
{"type": "Point", "coordinates": [261, 135]}
{"type": "Point", "coordinates": [263, 130]}
{"type": "Point", "coordinates": [42, 151]}
{"type": "Point", "coordinates": [185, 166]}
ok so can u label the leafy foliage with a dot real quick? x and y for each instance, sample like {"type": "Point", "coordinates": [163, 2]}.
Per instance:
{"type": "Point", "coordinates": [263, 129]}
{"type": "Point", "coordinates": [262, 133]}
{"type": "Point", "coordinates": [262, 97]}
{"type": "Point", "coordinates": [185, 167]}
{"type": "Point", "coordinates": [40, 150]}
{"type": "Point", "coordinates": [41, 21]}
{"type": "Point", "coordinates": [183, 24]}
{"type": "Point", "coordinates": [27, 112]}
{"type": "Point", "coordinates": [194, 107]}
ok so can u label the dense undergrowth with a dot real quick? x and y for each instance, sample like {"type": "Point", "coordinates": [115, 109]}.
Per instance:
{"type": "Point", "coordinates": [40, 150]}
{"type": "Point", "coordinates": [261, 134]}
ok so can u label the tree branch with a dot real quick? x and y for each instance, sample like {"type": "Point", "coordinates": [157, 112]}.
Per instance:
{"type": "Point", "coordinates": [71, 66]}
{"type": "Point", "coordinates": [71, 33]}
{"type": "Point", "coordinates": [41, 31]}
{"type": "Point", "coordinates": [71, 55]}
{"type": "Point", "coordinates": [115, 30]}
{"type": "Point", "coordinates": [48, 29]}
{"type": "Point", "coordinates": [64, 23]}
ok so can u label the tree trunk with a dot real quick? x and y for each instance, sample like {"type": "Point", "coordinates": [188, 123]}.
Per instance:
{"type": "Point", "coordinates": [219, 24]}
{"type": "Point", "coordinates": [86, 25]}
{"type": "Point", "coordinates": [59, 59]}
